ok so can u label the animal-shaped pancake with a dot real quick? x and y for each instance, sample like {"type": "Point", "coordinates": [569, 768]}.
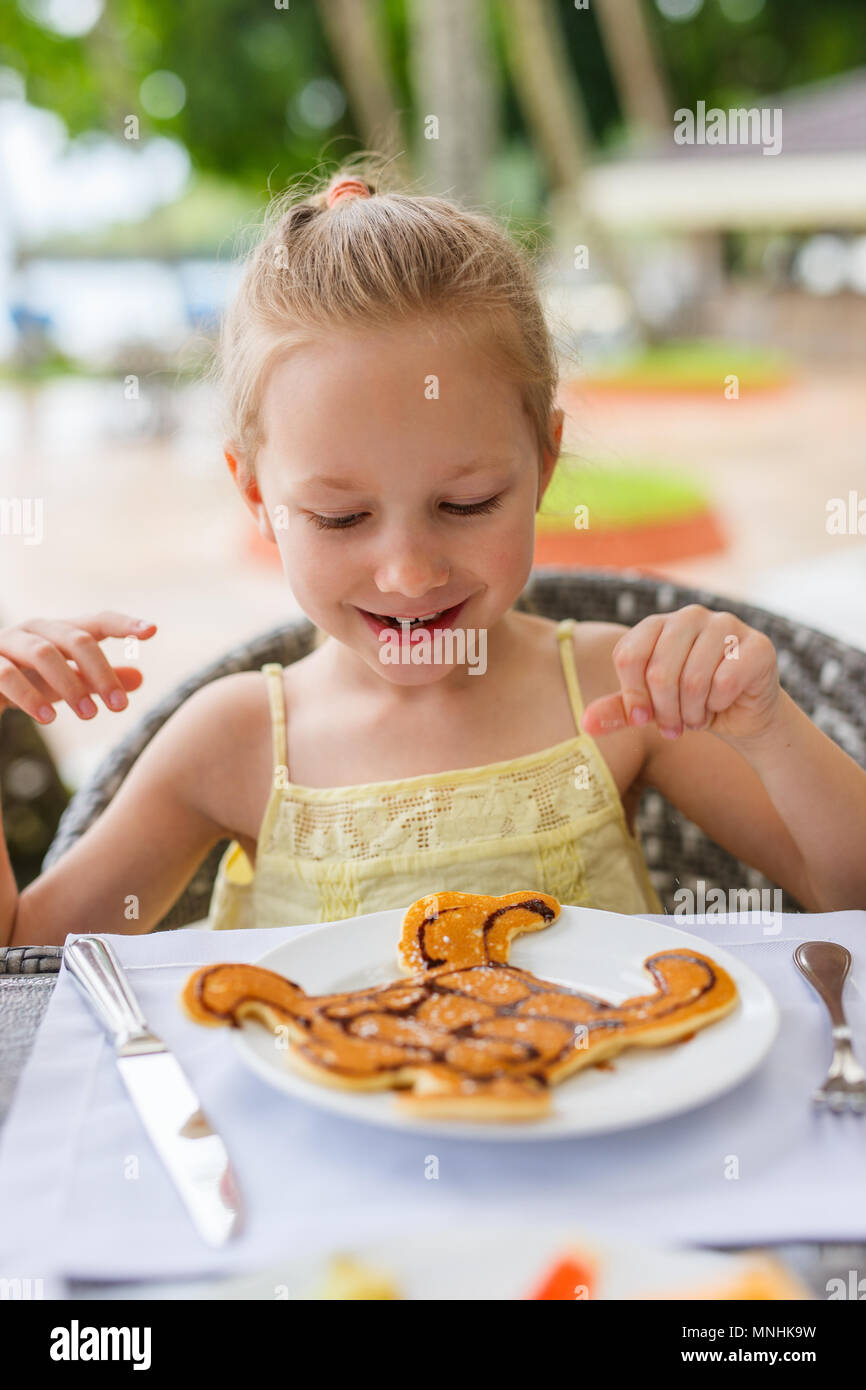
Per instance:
{"type": "Point", "coordinates": [465, 1035]}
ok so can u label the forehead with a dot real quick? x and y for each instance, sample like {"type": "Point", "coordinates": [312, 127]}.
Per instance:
{"type": "Point", "coordinates": [372, 387]}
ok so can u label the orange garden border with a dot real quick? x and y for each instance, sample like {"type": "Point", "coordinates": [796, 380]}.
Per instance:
{"type": "Point", "coordinates": [624, 546]}
{"type": "Point", "coordinates": [577, 392]}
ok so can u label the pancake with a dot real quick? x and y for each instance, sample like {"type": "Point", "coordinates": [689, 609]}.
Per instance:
{"type": "Point", "coordinates": [464, 1035]}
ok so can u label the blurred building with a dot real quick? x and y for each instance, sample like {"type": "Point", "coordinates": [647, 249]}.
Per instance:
{"type": "Point", "coordinates": [725, 238]}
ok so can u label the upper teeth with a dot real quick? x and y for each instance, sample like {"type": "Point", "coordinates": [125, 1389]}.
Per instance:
{"type": "Point", "coordinates": [425, 619]}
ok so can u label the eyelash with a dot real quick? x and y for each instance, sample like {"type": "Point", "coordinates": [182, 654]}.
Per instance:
{"type": "Point", "coordinates": [342, 523]}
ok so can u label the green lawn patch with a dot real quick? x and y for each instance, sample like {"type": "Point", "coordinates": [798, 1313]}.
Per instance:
{"type": "Point", "coordinates": [618, 495]}
{"type": "Point", "coordinates": [698, 364]}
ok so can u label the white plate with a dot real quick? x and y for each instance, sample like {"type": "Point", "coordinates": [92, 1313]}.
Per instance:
{"type": "Point", "coordinates": [601, 952]}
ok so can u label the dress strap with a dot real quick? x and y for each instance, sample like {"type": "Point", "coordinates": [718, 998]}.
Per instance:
{"type": "Point", "coordinates": [277, 695]}
{"type": "Point", "coordinates": [566, 652]}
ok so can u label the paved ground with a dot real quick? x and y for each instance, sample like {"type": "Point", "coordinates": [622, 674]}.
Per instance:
{"type": "Point", "coordinates": [157, 528]}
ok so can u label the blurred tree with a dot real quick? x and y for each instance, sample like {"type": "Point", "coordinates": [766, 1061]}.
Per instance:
{"type": "Point", "coordinates": [641, 83]}
{"type": "Point", "coordinates": [357, 38]}
{"type": "Point", "coordinates": [727, 52]}
{"type": "Point", "coordinates": [554, 111]}
{"type": "Point", "coordinates": [262, 97]}
{"type": "Point", "coordinates": [547, 88]}
{"type": "Point", "coordinates": [263, 85]}
{"type": "Point", "coordinates": [457, 117]}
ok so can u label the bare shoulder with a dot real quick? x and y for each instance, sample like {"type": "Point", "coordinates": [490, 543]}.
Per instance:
{"type": "Point", "coordinates": [582, 631]}
{"type": "Point", "coordinates": [217, 745]}
{"type": "Point", "coordinates": [225, 709]}
{"type": "Point", "coordinates": [593, 644]}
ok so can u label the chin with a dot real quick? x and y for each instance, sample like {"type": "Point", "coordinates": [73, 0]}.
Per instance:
{"type": "Point", "coordinates": [410, 675]}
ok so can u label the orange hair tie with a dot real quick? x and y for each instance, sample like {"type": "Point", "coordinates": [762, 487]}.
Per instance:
{"type": "Point", "coordinates": [347, 188]}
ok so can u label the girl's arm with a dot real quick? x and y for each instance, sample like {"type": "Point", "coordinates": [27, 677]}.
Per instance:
{"type": "Point", "coordinates": [791, 804]}
{"type": "Point", "coordinates": [131, 865]}
{"type": "Point", "coordinates": [753, 771]}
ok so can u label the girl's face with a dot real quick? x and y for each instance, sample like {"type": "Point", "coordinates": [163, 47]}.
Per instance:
{"type": "Point", "coordinates": [399, 479]}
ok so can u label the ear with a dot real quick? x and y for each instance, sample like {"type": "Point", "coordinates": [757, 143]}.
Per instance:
{"type": "Point", "coordinates": [557, 419]}
{"type": "Point", "coordinates": [248, 488]}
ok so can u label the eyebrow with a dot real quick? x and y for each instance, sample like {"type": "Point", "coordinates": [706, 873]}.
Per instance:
{"type": "Point", "coordinates": [346, 485]}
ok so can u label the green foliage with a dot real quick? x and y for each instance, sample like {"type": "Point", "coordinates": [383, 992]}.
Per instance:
{"type": "Point", "coordinates": [244, 63]}
{"type": "Point", "coordinates": [698, 364]}
{"type": "Point", "coordinates": [712, 58]}
{"type": "Point", "coordinates": [619, 495]}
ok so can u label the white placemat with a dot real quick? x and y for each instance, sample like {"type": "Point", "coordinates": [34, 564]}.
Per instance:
{"type": "Point", "coordinates": [86, 1196]}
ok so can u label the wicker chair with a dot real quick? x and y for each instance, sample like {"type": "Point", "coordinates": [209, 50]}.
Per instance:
{"type": "Point", "coordinates": [824, 676]}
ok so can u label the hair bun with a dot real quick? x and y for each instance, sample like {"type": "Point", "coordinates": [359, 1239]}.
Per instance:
{"type": "Point", "coordinates": [348, 188]}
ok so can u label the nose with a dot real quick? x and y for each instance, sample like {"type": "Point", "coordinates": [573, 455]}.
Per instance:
{"type": "Point", "coordinates": [409, 567]}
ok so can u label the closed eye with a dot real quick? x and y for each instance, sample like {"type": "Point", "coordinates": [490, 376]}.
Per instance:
{"type": "Point", "coordinates": [472, 508]}
{"type": "Point", "coordinates": [331, 523]}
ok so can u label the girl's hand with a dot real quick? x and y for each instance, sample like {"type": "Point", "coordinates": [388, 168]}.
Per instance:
{"type": "Point", "coordinates": [35, 672]}
{"type": "Point", "coordinates": [692, 669]}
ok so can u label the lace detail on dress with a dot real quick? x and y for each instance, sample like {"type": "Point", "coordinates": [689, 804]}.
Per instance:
{"type": "Point", "coordinates": [338, 896]}
{"type": "Point", "coordinates": [544, 792]}
{"type": "Point", "coordinates": [562, 867]}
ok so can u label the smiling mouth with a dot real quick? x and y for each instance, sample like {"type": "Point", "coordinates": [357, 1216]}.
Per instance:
{"type": "Point", "coordinates": [397, 620]}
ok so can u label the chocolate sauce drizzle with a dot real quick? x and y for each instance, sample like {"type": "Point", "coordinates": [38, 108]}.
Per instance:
{"type": "Point", "coordinates": [421, 988]}
{"type": "Point", "coordinates": [528, 905]}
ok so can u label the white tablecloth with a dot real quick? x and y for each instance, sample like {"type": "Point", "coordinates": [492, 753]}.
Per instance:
{"type": "Point", "coordinates": [85, 1195]}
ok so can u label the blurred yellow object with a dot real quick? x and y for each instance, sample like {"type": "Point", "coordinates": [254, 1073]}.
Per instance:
{"type": "Point", "coordinates": [761, 1277]}
{"type": "Point", "coordinates": [238, 867]}
{"type": "Point", "coordinates": [348, 1278]}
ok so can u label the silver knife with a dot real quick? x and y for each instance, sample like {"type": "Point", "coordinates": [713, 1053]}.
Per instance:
{"type": "Point", "coordinates": [169, 1108]}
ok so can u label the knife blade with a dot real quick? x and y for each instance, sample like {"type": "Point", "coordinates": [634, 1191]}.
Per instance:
{"type": "Point", "coordinates": [168, 1107]}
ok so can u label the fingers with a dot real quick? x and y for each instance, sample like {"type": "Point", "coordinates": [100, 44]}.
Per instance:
{"type": "Point", "coordinates": [698, 678]}
{"type": "Point", "coordinates": [16, 689]}
{"type": "Point", "coordinates": [648, 691]}
{"type": "Point", "coordinates": [47, 660]}
{"type": "Point", "coordinates": [667, 668]}
{"type": "Point", "coordinates": [111, 624]}
{"type": "Point", "coordinates": [603, 715]}
{"type": "Point", "coordinates": [40, 649]}
{"type": "Point", "coordinates": [664, 671]}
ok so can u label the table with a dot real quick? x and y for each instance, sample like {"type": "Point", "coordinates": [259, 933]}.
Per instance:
{"type": "Point", "coordinates": [27, 978]}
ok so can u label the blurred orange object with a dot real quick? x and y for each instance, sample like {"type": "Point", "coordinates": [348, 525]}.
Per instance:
{"type": "Point", "coordinates": [571, 1277]}
{"type": "Point", "coordinates": [626, 546]}
{"type": "Point", "coordinates": [759, 1277]}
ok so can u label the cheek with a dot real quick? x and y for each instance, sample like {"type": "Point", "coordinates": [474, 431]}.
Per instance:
{"type": "Point", "coordinates": [312, 562]}
{"type": "Point", "coordinates": [505, 549]}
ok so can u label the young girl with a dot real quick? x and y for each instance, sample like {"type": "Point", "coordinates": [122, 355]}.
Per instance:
{"type": "Point", "coordinates": [389, 384]}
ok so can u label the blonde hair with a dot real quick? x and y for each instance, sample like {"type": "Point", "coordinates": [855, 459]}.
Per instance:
{"type": "Point", "coordinates": [373, 262]}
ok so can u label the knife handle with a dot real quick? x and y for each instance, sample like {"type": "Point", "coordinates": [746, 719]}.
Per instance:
{"type": "Point", "coordinates": [99, 974]}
